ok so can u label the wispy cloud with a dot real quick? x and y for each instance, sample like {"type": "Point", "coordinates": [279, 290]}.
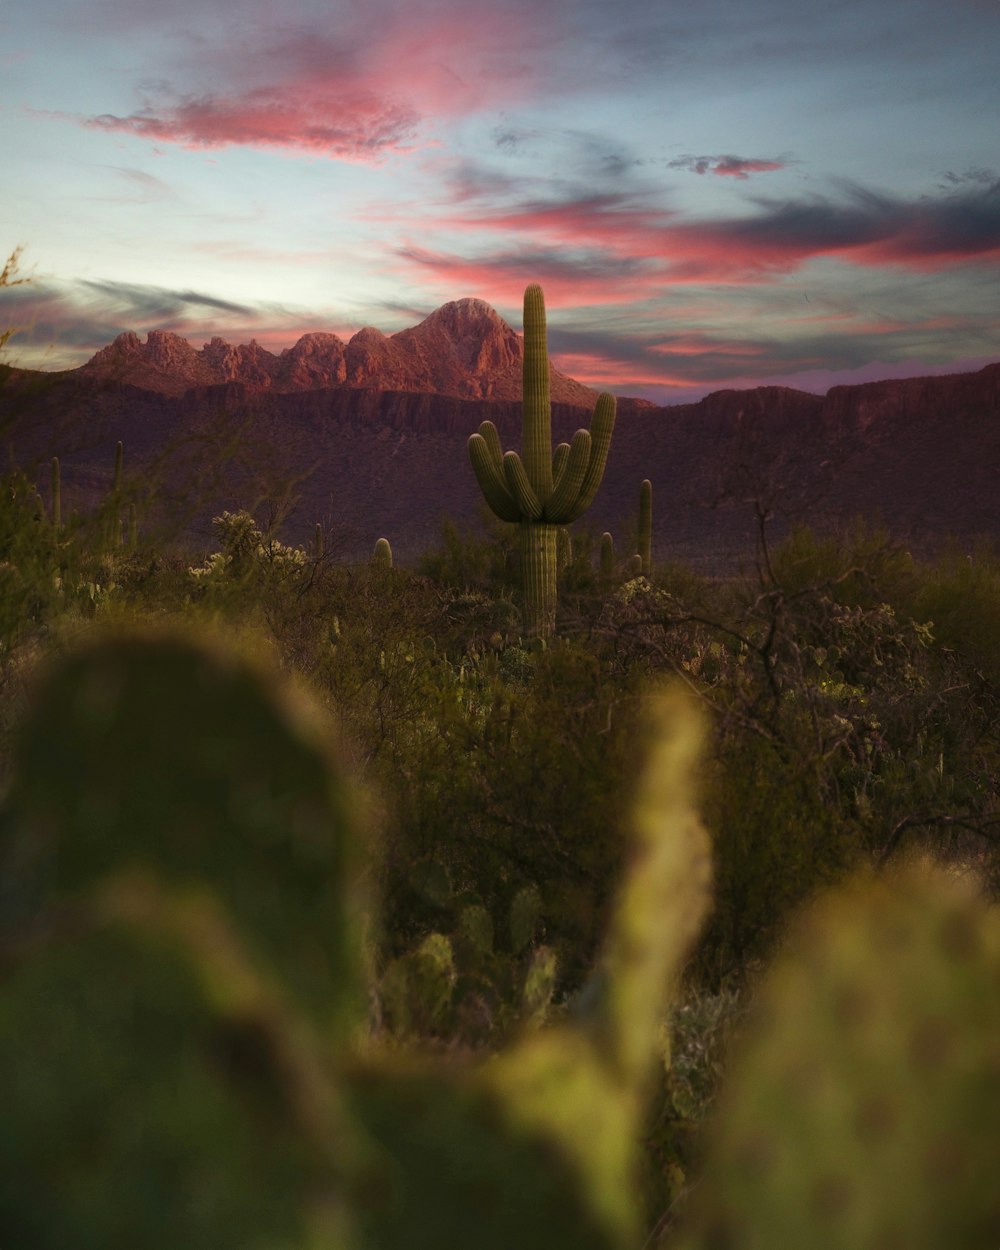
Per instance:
{"type": "Point", "coordinates": [60, 323]}
{"type": "Point", "coordinates": [628, 241]}
{"type": "Point", "coordinates": [352, 127]}
{"type": "Point", "coordinates": [729, 166]}
{"type": "Point", "coordinates": [355, 89]}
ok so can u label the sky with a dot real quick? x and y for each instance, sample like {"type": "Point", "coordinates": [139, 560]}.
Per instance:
{"type": "Point", "coordinates": [713, 195]}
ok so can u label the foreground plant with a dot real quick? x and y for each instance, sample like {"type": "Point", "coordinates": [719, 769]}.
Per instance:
{"type": "Point", "coordinates": [545, 489]}
{"type": "Point", "coordinates": [183, 938]}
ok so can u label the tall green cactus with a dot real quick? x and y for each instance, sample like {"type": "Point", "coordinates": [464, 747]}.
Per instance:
{"type": "Point", "coordinates": [56, 495]}
{"type": "Point", "coordinates": [646, 527]}
{"type": "Point", "coordinates": [114, 504]}
{"type": "Point", "coordinates": [607, 556]}
{"type": "Point", "coordinates": [545, 489]}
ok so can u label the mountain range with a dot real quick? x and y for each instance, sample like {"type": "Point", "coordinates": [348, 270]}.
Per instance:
{"type": "Point", "coordinates": [369, 438]}
{"type": "Point", "coordinates": [464, 349]}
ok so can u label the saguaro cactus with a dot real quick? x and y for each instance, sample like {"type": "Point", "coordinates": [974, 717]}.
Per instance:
{"type": "Point", "coordinates": [56, 495]}
{"type": "Point", "coordinates": [382, 555]}
{"type": "Point", "coordinates": [646, 527]}
{"type": "Point", "coordinates": [114, 532]}
{"type": "Point", "coordinates": [607, 558]}
{"type": "Point", "coordinates": [545, 489]}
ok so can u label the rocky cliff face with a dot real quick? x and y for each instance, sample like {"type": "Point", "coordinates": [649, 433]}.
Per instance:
{"type": "Point", "coordinates": [464, 349]}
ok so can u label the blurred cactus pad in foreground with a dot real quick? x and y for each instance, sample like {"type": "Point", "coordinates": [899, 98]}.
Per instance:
{"type": "Point", "coordinates": [190, 1039]}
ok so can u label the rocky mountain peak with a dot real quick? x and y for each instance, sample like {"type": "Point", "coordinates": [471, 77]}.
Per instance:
{"type": "Point", "coordinates": [464, 349]}
{"type": "Point", "coordinates": [167, 350]}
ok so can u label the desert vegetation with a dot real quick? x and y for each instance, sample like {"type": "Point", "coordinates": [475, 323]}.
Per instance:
{"type": "Point", "coordinates": [344, 906]}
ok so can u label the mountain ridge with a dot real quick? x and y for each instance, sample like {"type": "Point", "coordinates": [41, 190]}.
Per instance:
{"type": "Point", "coordinates": [920, 456]}
{"type": "Point", "coordinates": [464, 349]}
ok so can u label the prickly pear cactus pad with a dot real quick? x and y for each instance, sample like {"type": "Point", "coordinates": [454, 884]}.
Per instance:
{"type": "Point", "coordinates": [179, 944]}
{"type": "Point", "coordinates": [865, 1111]}
{"type": "Point", "coordinates": [139, 1112]}
{"type": "Point", "coordinates": [163, 753]}
{"type": "Point", "coordinates": [459, 1170]}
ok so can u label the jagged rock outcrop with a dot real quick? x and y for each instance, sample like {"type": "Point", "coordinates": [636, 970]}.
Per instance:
{"type": "Point", "coordinates": [316, 361]}
{"type": "Point", "coordinates": [464, 349]}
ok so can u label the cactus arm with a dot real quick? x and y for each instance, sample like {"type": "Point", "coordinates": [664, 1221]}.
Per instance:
{"type": "Point", "coordinates": [567, 491]}
{"type": "Point", "coordinates": [537, 409]}
{"type": "Point", "coordinates": [489, 474]}
{"type": "Point", "coordinates": [601, 429]}
{"type": "Point", "coordinates": [520, 487]}
{"type": "Point", "coordinates": [488, 432]}
{"type": "Point", "coordinates": [559, 457]}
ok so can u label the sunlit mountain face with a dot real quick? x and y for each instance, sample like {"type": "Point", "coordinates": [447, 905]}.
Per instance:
{"type": "Point", "coordinates": [712, 197]}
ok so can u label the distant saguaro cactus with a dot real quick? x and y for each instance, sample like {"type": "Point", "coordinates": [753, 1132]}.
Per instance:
{"type": "Point", "coordinates": [646, 527]}
{"type": "Point", "coordinates": [607, 555]}
{"type": "Point", "coordinates": [56, 495]}
{"type": "Point", "coordinates": [114, 534]}
{"type": "Point", "coordinates": [382, 555]}
{"type": "Point", "coordinates": [546, 489]}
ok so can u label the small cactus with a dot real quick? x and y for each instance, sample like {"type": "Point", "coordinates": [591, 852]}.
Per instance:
{"type": "Point", "coordinates": [382, 555]}
{"type": "Point", "coordinates": [607, 556]}
{"type": "Point", "coordinates": [467, 1141]}
{"type": "Point", "coordinates": [318, 542]}
{"type": "Point", "coordinates": [114, 501]}
{"type": "Point", "coordinates": [646, 528]}
{"type": "Point", "coordinates": [56, 495]}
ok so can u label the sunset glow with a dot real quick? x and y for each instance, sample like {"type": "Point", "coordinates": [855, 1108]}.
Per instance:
{"type": "Point", "coordinates": [713, 196]}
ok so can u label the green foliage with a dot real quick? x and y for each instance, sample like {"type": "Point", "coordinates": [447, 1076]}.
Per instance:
{"type": "Point", "coordinates": [170, 810]}
{"type": "Point", "coordinates": [548, 489]}
{"type": "Point", "coordinates": [475, 983]}
{"type": "Point", "coordinates": [166, 926]}
{"type": "Point", "coordinates": [961, 595]}
{"type": "Point", "coordinates": [471, 560]}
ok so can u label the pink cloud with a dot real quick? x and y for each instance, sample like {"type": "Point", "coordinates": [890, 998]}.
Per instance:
{"type": "Point", "coordinates": [352, 128]}
{"type": "Point", "coordinates": [634, 244]}
{"type": "Point", "coordinates": [598, 371]}
{"type": "Point", "coordinates": [354, 95]}
{"type": "Point", "coordinates": [569, 281]}
{"type": "Point", "coordinates": [737, 167]}
{"type": "Point", "coordinates": [728, 166]}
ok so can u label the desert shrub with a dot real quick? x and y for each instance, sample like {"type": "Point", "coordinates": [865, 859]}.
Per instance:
{"type": "Point", "coordinates": [480, 559]}
{"type": "Point", "coordinates": [961, 595]}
